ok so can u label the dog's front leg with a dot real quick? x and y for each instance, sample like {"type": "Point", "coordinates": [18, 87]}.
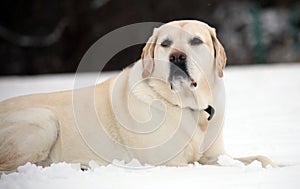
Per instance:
{"type": "Point", "coordinates": [211, 155]}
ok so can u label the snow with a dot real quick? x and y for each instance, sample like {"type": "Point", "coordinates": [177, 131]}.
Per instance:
{"type": "Point", "coordinates": [262, 117]}
{"type": "Point", "coordinates": [225, 160]}
{"type": "Point", "coordinates": [63, 175]}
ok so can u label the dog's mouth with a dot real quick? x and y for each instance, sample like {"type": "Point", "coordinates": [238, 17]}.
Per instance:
{"type": "Point", "coordinates": [180, 78]}
{"type": "Point", "coordinates": [179, 74]}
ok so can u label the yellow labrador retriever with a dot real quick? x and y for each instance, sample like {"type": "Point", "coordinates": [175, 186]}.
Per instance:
{"type": "Point", "coordinates": [166, 109]}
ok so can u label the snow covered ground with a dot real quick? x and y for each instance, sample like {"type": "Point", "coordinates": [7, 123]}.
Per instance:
{"type": "Point", "coordinates": [263, 117]}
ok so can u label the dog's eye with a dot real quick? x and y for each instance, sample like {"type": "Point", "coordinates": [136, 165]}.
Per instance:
{"type": "Point", "coordinates": [166, 43]}
{"type": "Point", "coordinates": [196, 41]}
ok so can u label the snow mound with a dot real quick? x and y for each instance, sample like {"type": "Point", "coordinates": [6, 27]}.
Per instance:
{"type": "Point", "coordinates": [133, 164]}
{"type": "Point", "coordinates": [227, 161]}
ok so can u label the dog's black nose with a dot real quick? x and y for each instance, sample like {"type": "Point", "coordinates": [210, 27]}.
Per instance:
{"type": "Point", "coordinates": [179, 65]}
{"type": "Point", "coordinates": [178, 58]}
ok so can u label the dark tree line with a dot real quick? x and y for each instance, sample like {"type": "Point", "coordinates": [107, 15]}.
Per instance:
{"type": "Point", "coordinates": [51, 36]}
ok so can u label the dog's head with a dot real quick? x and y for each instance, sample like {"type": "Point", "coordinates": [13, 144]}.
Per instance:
{"type": "Point", "coordinates": [184, 54]}
{"type": "Point", "coordinates": [185, 44]}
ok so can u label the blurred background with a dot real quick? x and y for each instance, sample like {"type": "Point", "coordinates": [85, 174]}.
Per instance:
{"type": "Point", "coordinates": [51, 36]}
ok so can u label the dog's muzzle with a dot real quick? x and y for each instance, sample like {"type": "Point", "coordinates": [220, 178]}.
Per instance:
{"type": "Point", "coordinates": [179, 68]}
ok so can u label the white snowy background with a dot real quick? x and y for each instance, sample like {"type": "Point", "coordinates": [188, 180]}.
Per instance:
{"type": "Point", "coordinates": [262, 117]}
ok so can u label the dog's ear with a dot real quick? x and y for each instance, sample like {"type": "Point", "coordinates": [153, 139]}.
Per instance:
{"type": "Point", "coordinates": [148, 55]}
{"type": "Point", "coordinates": [220, 55]}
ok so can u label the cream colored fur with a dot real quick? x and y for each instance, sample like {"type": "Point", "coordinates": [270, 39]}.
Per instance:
{"type": "Point", "coordinates": [43, 128]}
